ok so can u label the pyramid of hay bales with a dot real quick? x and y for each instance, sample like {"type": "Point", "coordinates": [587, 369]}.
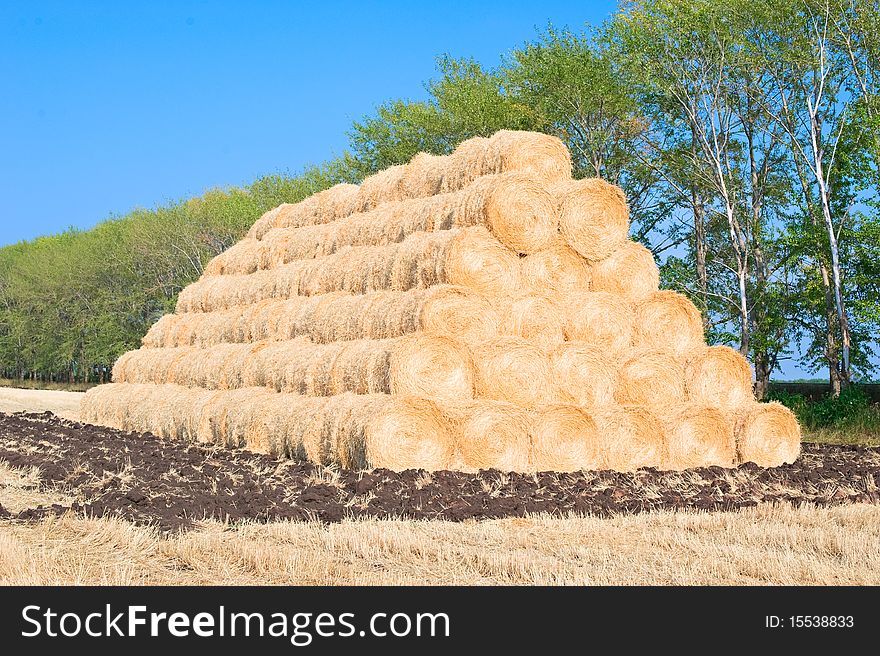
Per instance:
{"type": "Point", "coordinates": [475, 310]}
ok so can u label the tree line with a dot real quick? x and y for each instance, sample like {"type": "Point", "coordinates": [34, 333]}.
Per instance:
{"type": "Point", "coordinates": [744, 133]}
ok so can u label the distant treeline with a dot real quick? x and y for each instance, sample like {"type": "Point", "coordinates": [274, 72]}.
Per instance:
{"type": "Point", "coordinates": [744, 132]}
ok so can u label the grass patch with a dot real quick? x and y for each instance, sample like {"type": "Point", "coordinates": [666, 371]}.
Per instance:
{"type": "Point", "coordinates": [848, 419]}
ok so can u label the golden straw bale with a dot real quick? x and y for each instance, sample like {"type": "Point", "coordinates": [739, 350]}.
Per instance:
{"type": "Point", "coordinates": [767, 434]}
{"type": "Point", "coordinates": [593, 216]}
{"type": "Point", "coordinates": [408, 433]}
{"type": "Point", "coordinates": [697, 436]}
{"type": "Point", "coordinates": [423, 176]}
{"type": "Point", "coordinates": [469, 161]}
{"type": "Point", "coordinates": [536, 319]}
{"type": "Point", "coordinates": [598, 318]}
{"type": "Point", "coordinates": [489, 435]}
{"type": "Point", "coordinates": [246, 256]}
{"type": "Point", "coordinates": [431, 366]}
{"type": "Point", "coordinates": [564, 438]}
{"type": "Point", "coordinates": [119, 367]}
{"type": "Point", "coordinates": [585, 374]}
{"type": "Point", "coordinates": [650, 377]}
{"type": "Point", "coordinates": [511, 369]}
{"type": "Point", "coordinates": [718, 376]}
{"type": "Point", "coordinates": [380, 187]}
{"type": "Point", "coordinates": [539, 155]}
{"type": "Point", "coordinates": [518, 210]}
{"type": "Point", "coordinates": [630, 272]}
{"type": "Point", "coordinates": [556, 269]}
{"type": "Point", "coordinates": [667, 320]}
{"type": "Point", "coordinates": [630, 437]}
{"type": "Point", "coordinates": [478, 261]}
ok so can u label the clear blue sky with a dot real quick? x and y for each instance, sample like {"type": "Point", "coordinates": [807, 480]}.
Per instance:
{"type": "Point", "coordinates": [106, 106]}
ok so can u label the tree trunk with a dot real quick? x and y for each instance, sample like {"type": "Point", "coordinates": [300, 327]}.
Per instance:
{"type": "Point", "coordinates": [700, 253]}
{"type": "Point", "coordinates": [762, 375]}
{"type": "Point", "coordinates": [824, 197]}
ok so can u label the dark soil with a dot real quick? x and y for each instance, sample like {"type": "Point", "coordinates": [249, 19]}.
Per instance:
{"type": "Point", "coordinates": [169, 484]}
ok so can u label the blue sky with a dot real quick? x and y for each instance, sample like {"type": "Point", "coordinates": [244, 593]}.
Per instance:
{"type": "Point", "coordinates": [106, 106]}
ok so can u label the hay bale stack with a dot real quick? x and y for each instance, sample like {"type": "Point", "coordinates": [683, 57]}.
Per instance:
{"type": "Point", "coordinates": [472, 310]}
{"type": "Point", "coordinates": [357, 431]}
{"type": "Point", "coordinates": [593, 216]}
{"type": "Point", "coordinates": [325, 206]}
{"type": "Point", "coordinates": [767, 434]}
{"type": "Point", "coordinates": [489, 435]}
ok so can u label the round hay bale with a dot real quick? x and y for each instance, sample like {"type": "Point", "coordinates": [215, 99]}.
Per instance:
{"type": "Point", "coordinates": [539, 155]}
{"type": "Point", "coordinates": [630, 272]}
{"type": "Point", "coordinates": [585, 374]}
{"type": "Point", "coordinates": [118, 375]}
{"type": "Point", "coordinates": [431, 366]}
{"type": "Point", "coordinates": [517, 209]}
{"type": "Point", "coordinates": [697, 436]}
{"type": "Point", "coordinates": [556, 269]}
{"type": "Point", "coordinates": [423, 176]}
{"type": "Point", "coordinates": [459, 313]}
{"type": "Point", "coordinates": [339, 201]}
{"type": "Point", "coordinates": [468, 161]}
{"type": "Point", "coordinates": [478, 261]}
{"type": "Point", "coordinates": [767, 434]}
{"type": "Point", "coordinates": [564, 438]}
{"type": "Point", "coordinates": [510, 369]}
{"type": "Point", "coordinates": [408, 433]}
{"type": "Point", "coordinates": [380, 187]}
{"type": "Point", "coordinates": [593, 216]}
{"type": "Point", "coordinates": [630, 437]}
{"type": "Point", "coordinates": [650, 377]}
{"type": "Point", "coordinates": [667, 320]}
{"type": "Point", "coordinates": [718, 376]}
{"type": "Point", "coordinates": [489, 435]}
{"type": "Point", "coordinates": [598, 318]}
{"type": "Point", "coordinates": [536, 319]}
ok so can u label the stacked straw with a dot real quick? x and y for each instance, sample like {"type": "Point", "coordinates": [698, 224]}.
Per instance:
{"type": "Point", "coordinates": [476, 310]}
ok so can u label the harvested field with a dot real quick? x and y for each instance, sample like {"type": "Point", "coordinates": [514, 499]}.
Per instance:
{"type": "Point", "coordinates": [767, 545]}
{"type": "Point", "coordinates": [96, 471]}
{"type": "Point", "coordinates": [63, 404]}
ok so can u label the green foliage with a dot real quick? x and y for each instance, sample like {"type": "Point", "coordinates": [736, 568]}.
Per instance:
{"type": "Point", "coordinates": [852, 411]}
{"type": "Point", "coordinates": [70, 304]}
